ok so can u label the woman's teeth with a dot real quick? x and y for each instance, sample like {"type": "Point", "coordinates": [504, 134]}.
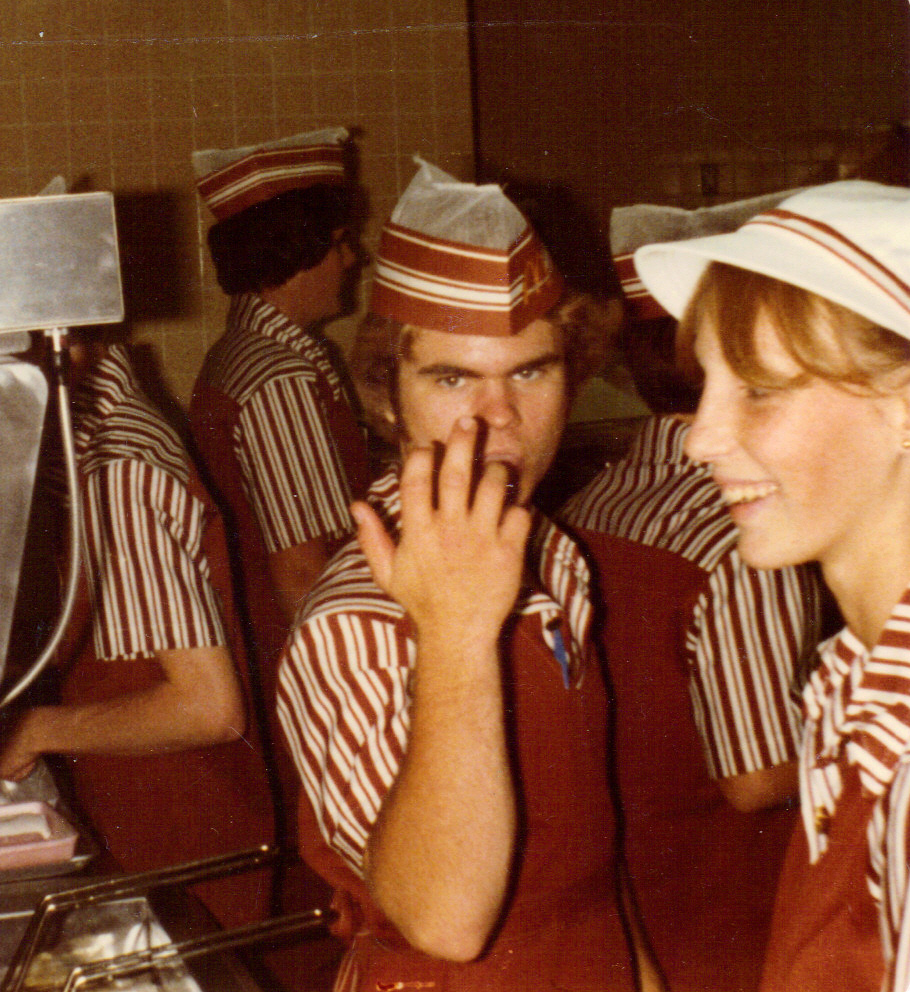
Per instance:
{"type": "Point", "coordinates": [748, 493]}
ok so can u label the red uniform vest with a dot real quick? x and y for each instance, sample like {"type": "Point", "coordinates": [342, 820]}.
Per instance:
{"type": "Point", "coordinates": [150, 812]}
{"type": "Point", "coordinates": [825, 936]}
{"type": "Point", "coordinates": [704, 873]}
{"type": "Point", "coordinates": [561, 927]}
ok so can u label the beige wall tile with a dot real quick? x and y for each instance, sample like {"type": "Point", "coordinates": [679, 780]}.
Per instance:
{"type": "Point", "coordinates": [12, 150]}
{"type": "Point", "coordinates": [12, 107]}
{"type": "Point", "coordinates": [118, 93]}
{"type": "Point", "coordinates": [48, 154]}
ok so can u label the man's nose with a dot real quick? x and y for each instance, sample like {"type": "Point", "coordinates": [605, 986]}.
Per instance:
{"type": "Point", "coordinates": [349, 253]}
{"type": "Point", "coordinates": [497, 403]}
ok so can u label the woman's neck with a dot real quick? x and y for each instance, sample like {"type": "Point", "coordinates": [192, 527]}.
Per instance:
{"type": "Point", "coordinates": [867, 591]}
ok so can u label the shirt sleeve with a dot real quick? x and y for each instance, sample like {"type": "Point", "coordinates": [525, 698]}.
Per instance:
{"type": "Point", "coordinates": [148, 575]}
{"type": "Point", "coordinates": [751, 631]}
{"type": "Point", "coordinates": [293, 474]}
{"type": "Point", "coordinates": [343, 702]}
{"type": "Point", "coordinates": [889, 868]}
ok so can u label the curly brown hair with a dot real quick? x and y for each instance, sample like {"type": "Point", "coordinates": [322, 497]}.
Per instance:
{"type": "Point", "coordinates": [590, 332]}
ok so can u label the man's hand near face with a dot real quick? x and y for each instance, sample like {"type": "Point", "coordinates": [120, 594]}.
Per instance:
{"type": "Point", "coordinates": [457, 568]}
{"type": "Point", "coordinates": [439, 857]}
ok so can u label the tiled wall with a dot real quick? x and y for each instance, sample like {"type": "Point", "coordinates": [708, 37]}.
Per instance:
{"type": "Point", "coordinates": [116, 94]}
{"type": "Point", "coordinates": [593, 103]}
{"type": "Point", "coordinates": [624, 101]}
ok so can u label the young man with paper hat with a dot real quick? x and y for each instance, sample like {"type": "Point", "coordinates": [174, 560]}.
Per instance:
{"type": "Point", "coordinates": [440, 696]}
{"type": "Point", "coordinates": [705, 655]}
{"type": "Point", "coordinates": [270, 413]}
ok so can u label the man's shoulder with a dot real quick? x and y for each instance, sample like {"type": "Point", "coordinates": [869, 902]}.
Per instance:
{"type": "Point", "coordinates": [655, 495]}
{"type": "Point", "coordinates": [347, 586]}
{"type": "Point", "coordinates": [347, 589]}
{"type": "Point", "coordinates": [135, 431]}
{"type": "Point", "coordinates": [241, 363]}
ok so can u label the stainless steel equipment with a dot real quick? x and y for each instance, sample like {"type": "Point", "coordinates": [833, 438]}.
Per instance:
{"type": "Point", "coordinates": [117, 906]}
{"type": "Point", "coordinates": [59, 264]}
{"type": "Point", "coordinates": [23, 398]}
{"type": "Point", "coordinates": [59, 268]}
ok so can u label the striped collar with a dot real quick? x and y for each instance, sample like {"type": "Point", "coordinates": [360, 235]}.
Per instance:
{"type": "Point", "coordinates": [250, 312]}
{"type": "Point", "coordinates": [563, 573]}
{"type": "Point", "coordinates": [660, 441]}
{"type": "Point", "coordinates": [857, 706]}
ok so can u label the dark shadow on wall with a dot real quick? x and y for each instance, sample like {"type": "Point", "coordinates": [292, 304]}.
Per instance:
{"type": "Point", "coordinates": [155, 238]}
{"type": "Point", "coordinates": [155, 260]}
{"type": "Point", "coordinates": [573, 235]}
{"type": "Point", "coordinates": [147, 365]}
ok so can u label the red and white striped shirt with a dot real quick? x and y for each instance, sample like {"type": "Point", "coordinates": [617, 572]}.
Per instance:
{"type": "Point", "coordinates": [293, 472]}
{"type": "Point", "coordinates": [857, 706]}
{"type": "Point", "coordinates": [749, 631]}
{"type": "Point", "coordinates": [148, 575]}
{"type": "Point", "coordinates": [344, 682]}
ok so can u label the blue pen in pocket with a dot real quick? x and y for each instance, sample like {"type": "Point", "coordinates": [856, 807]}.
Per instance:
{"type": "Point", "coordinates": [559, 651]}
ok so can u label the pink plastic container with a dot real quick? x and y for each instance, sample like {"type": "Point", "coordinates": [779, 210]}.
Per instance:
{"type": "Point", "coordinates": [27, 850]}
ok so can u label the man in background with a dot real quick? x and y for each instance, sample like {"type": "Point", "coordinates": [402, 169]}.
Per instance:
{"type": "Point", "coordinates": [270, 412]}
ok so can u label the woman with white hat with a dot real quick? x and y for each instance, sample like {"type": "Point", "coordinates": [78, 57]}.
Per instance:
{"type": "Point", "coordinates": [800, 321]}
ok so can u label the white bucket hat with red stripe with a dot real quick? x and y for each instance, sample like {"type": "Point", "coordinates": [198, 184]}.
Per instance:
{"type": "Point", "coordinates": [461, 258]}
{"type": "Point", "coordinates": [848, 242]}
{"type": "Point", "coordinates": [232, 179]}
{"type": "Point", "coordinates": [646, 223]}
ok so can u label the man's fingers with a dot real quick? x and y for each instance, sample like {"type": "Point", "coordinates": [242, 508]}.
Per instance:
{"type": "Point", "coordinates": [417, 487]}
{"type": "Point", "coordinates": [378, 548]}
{"type": "Point", "coordinates": [492, 490]}
{"type": "Point", "coordinates": [456, 473]}
{"type": "Point", "coordinates": [516, 525]}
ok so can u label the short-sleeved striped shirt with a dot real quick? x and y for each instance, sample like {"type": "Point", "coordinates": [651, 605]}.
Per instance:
{"type": "Point", "coordinates": [857, 707]}
{"type": "Point", "coordinates": [147, 572]}
{"type": "Point", "coordinates": [344, 697]}
{"type": "Point", "coordinates": [750, 630]}
{"type": "Point", "coordinates": [278, 375]}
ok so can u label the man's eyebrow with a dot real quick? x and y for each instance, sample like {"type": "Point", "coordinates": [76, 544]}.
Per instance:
{"type": "Point", "coordinates": [444, 369]}
{"type": "Point", "coordinates": [441, 369]}
{"type": "Point", "coordinates": [550, 358]}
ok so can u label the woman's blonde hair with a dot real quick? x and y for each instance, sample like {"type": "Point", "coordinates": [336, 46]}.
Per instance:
{"type": "Point", "coordinates": [826, 340]}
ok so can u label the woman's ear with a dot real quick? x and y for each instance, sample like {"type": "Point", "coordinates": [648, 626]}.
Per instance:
{"type": "Point", "coordinates": [898, 392]}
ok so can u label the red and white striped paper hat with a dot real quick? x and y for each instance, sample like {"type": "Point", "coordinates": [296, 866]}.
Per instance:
{"type": "Point", "coordinates": [646, 223]}
{"type": "Point", "coordinates": [848, 242]}
{"type": "Point", "coordinates": [461, 258]}
{"type": "Point", "coordinates": [230, 180]}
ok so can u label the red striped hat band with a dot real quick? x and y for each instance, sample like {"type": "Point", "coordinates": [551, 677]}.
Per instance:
{"type": "Point", "coordinates": [465, 289]}
{"type": "Point", "coordinates": [839, 245]}
{"type": "Point", "coordinates": [640, 304]}
{"type": "Point", "coordinates": [265, 173]}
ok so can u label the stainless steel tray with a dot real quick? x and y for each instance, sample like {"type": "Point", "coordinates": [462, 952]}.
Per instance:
{"type": "Point", "coordinates": [111, 927]}
{"type": "Point", "coordinates": [96, 934]}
